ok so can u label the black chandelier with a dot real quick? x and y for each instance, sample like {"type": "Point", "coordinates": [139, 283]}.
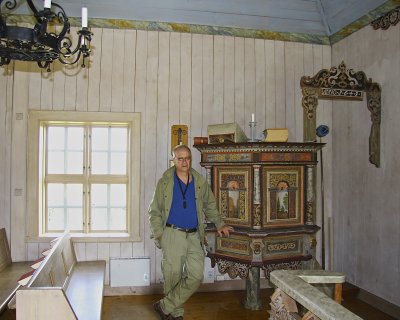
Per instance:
{"type": "Point", "coordinates": [37, 43]}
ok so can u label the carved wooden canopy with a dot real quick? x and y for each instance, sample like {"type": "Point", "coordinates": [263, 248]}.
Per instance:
{"type": "Point", "coordinates": [342, 83]}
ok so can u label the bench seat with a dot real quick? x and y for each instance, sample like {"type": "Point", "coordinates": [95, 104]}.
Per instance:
{"type": "Point", "coordinates": [10, 272]}
{"type": "Point", "coordinates": [63, 288]}
{"type": "Point", "coordinates": [85, 288]}
{"type": "Point", "coordinates": [9, 277]}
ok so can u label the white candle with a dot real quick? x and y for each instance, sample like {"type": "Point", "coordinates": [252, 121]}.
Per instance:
{"type": "Point", "coordinates": [252, 117]}
{"type": "Point", "coordinates": [47, 4]}
{"type": "Point", "coordinates": [84, 17]}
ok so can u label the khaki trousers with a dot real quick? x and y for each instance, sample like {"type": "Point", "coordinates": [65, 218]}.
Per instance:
{"type": "Point", "coordinates": [182, 267]}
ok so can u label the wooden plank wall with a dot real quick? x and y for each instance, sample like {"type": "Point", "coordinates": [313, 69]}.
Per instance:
{"type": "Point", "coordinates": [365, 209]}
{"type": "Point", "coordinates": [170, 78]}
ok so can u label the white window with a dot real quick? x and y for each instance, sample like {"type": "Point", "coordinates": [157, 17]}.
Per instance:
{"type": "Point", "coordinates": [85, 173]}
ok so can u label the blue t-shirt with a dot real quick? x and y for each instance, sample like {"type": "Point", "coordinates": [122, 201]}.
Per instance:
{"type": "Point", "coordinates": [181, 215]}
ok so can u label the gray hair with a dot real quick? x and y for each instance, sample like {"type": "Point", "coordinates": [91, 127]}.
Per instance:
{"type": "Point", "coordinates": [180, 147]}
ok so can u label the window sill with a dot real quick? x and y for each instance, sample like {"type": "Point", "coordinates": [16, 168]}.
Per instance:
{"type": "Point", "coordinates": [94, 237]}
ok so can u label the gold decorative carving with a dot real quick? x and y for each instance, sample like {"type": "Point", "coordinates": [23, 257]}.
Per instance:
{"type": "Point", "coordinates": [309, 213]}
{"type": "Point", "coordinates": [292, 265]}
{"type": "Point", "coordinates": [233, 245]}
{"type": "Point", "coordinates": [342, 83]}
{"type": "Point", "coordinates": [389, 19]}
{"type": "Point", "coordinates": [257, 216]}
{"type": "Point", "coordinates": [233, 269]}
{"type": "Point", "coordinates": [257, 246]}
{"type": "Point", "coordinates": [282, 246]}
{"type": "Point", "coordinates": [283, 307]}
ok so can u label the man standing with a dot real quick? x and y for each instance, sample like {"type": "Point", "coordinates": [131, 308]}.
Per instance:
{"type": "Point", "coordinates": [176, 216]}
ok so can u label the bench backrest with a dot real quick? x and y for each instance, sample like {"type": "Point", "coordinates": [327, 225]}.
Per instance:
{"type": "Point", "coordinates": [5, 254]}
{"type": "Point", "coordinates": [57, 266]}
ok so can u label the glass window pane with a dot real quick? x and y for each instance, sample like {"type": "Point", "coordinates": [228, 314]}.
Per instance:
{"type": "Point", "coordinates": [74, 194]}
{"type": "Point", "coordinates": [55, 219]}
{"type": "Point", "coordinates": [75, 138]}
{"type": "Point", "coordinates": [55, 195]}
{"type": "Point", "coordinates": [64, 203]}
{"type": "Point", "coordinates": [118, 163]}
{"type": "Point", "coordinates": [74, 162]}
{"type": "Point", "coordinates": [108, 207]}
{"type": "Point", "coordinates": [56, 138]}
{"type": "Point", "coordinates": [118, 219]}
{"type": "Point", "coordinates": [99, 139]}
{"type": "Point", "coordinates": [119, 138]}
{"type": "Point", "coordinates": [55, 162]}
{"type": "Point", "coordinates": [99, 162]}
{"type": "Point", "coordinates": [75, 222]}
{"type": "Point", "coordinates": [109, 150]}
{"type": "Point", "coordinates": [118, 195]}
{"type": "Point", "coordinates": [99, 195]}
{"type": "Point", "coordinates": [99, 219]}
{"type": "Point", "coordinates": [65, 150]}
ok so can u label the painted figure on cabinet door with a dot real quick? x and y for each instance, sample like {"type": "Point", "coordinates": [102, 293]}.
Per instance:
{"type": "Point", "coordinates": [283, 192]}
{"type": "Point", "coordinates": [232, 189]}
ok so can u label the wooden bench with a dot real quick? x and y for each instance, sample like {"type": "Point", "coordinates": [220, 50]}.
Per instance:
{"type": "Point", "coordinates": [10, 272]}
{"type": "Point", "coordinates": [296, 286]}
{"type": "Point", "coordinates": [63, 288]}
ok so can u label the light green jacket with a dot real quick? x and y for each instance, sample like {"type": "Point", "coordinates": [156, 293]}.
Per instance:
{"type": "Point", "coordinates": [160, 206]}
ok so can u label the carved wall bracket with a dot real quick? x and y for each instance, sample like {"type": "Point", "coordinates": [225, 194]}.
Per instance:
{"type": "Point", "coordinates": [345, 84]}
{"type": "Point", "coordinates": [389, 19]}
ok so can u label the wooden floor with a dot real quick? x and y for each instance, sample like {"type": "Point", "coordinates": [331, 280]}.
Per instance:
{"type": "Point", "coordinates": [209, 306]}
{"type": "Point", "coordinates": [216, 306]}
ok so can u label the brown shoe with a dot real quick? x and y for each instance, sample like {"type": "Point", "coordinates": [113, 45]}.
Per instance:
{"type": "Point", "coordinates": [160, 311]}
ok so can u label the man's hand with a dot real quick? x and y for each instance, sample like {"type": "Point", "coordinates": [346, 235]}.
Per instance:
{"type": "Point", "coordinates": [224, 231]}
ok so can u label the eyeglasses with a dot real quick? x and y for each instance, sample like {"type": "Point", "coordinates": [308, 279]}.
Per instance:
{"type": "Point", "coordinates": [184, 159]}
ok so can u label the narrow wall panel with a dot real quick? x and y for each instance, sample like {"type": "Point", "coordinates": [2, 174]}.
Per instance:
{"type": "Point", "coordinates": [174, 79]}
{"type": "Point", "coordinates": [270, 84]}
{"type": "Point", "coordinates": [58, 87]}
{"type": "Point", "coordinates": [71, 72]}
{"type": "Point", "coordinates": [280, 85]}
{"type": "Point", "coordinates": [18, 159]}
{"type": "Point", "coordinates": [290, 83]}
{"type": "Point", "coordinates": [186, 81]}
{"type": "Point", "coordinates": [128, 83]}
{"type": "Point", "coordinates": [94, 76]}
{"type": "Point", "coordinates": [208, 80]}
{"type": "Point", "coordinates": [82, 90]}
{"type": "Point", "coordinates": [239, 82]}
{"type": "Point", "coordinates": [106, 70]}
{"type": "Point", "coordinates": [229, 79]}
{"type": "Point", "coordinates": [35, 85]}
{"type": "Point", "coordinates": [150, 138]}
{"type": "Point", "coordinates": [118, 66]}
{"type": "Point", "coordinates": [259, 60]}
{"type": "Point", "coordinates": [218, 79]}
{"type": "Point", "coordinates": [249, 84]}
{"type": "Point", "coordinates": [298, 95]}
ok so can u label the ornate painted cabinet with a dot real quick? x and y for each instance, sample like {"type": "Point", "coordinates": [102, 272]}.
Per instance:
{"type": "Point", "coordinates": [266, 191]}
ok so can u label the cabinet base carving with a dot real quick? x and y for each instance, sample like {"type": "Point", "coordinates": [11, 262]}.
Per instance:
{"type": "Point", "coordinates": [233, 269]}
{"type": "Point", "coordinates": [292, 265]}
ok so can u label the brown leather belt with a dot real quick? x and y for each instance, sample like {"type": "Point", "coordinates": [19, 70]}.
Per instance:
{"type": "Point", "coordinates": [181, 229]}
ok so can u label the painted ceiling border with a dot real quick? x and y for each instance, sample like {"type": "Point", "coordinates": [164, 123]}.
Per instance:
{"type": "Point", "coordinates": [227, 31]}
